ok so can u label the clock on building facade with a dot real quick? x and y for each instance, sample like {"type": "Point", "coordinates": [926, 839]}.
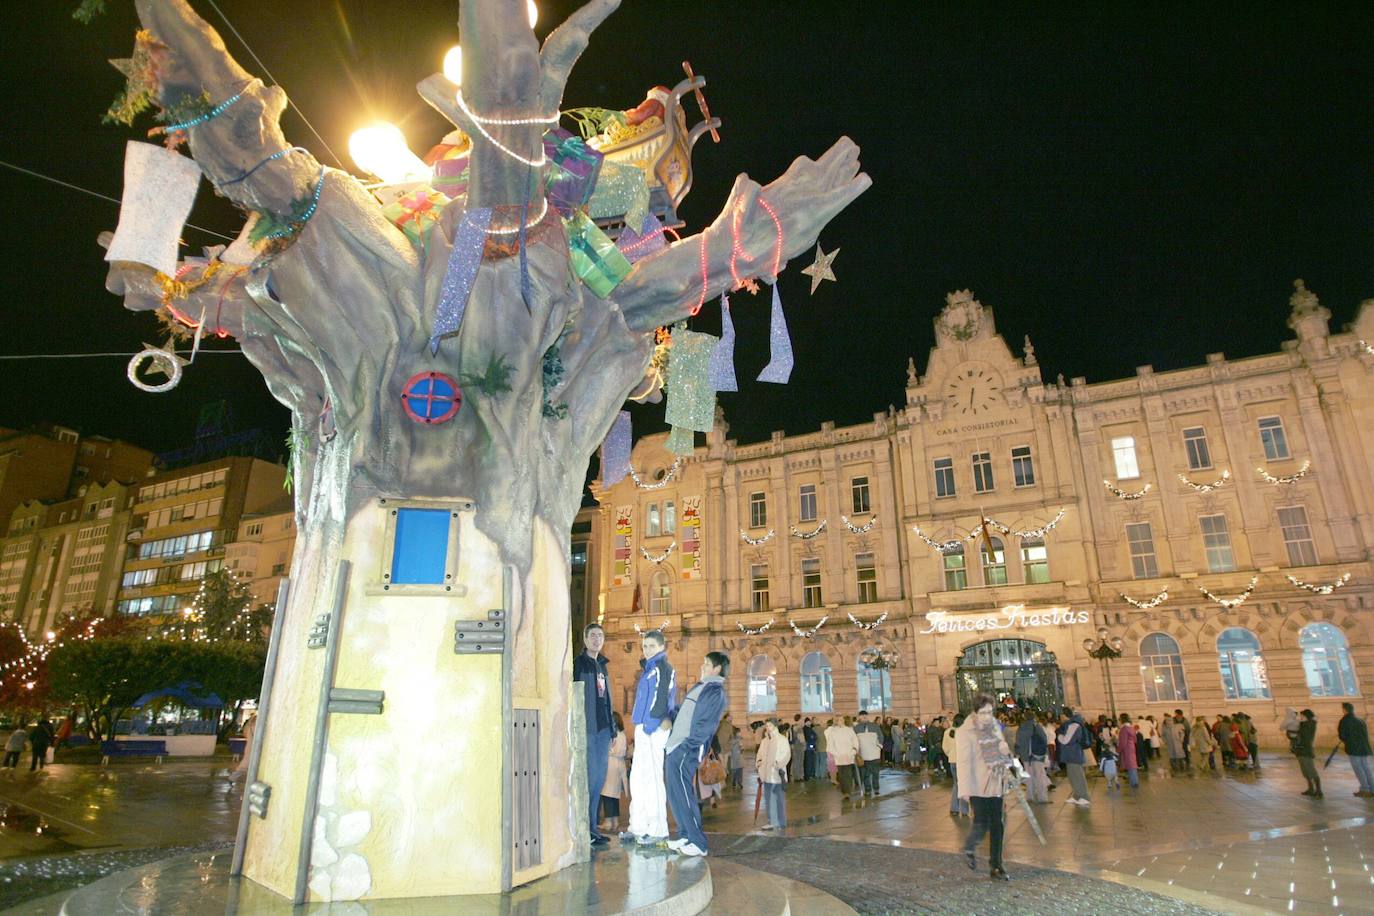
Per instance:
{"type": "Point", "coordinates": [973, 389]}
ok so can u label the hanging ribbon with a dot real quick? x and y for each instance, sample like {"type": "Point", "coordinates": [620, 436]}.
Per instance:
{"type": "Point", "coordinates": [524, 228]}
{"type": "Point", "coordinates": [463, 262]}
{"type": "Point", "coordinates": [779, 368]}
{"type": "Point", "coordinates": [615, 451]}
{"type": "Point", "coordinates": [681, 441]}
{"type": "Point", "coordinates": [723, 356]}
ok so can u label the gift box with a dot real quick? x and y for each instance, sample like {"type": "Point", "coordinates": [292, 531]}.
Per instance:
{"type": "Point", "coordinates": [573, 171]}
{"type": "Point", "coordinates": [594, 257]}
{"type": "Point", "coordinates": [451, 177]}
{"type": "Point", "coordinates": [416, 212]}
{"type": "Point", "coordinates": [622, 192]}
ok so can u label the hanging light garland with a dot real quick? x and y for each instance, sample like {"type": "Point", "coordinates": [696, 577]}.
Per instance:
{"type": "Point", "coordinates": [1368, 350]}
{"type": "Point", "coordinates": [868, 626]}
{"type": "Point", "coordinates": [944, 546]}
{"type": "Point", "coordinates": [1232, 603]}
{"type": "Point", "coordinates": [667, 478]}
{"type": "Point", "coordinates": [954, 543]}
{"type": "Point", "coordinates": [811, 633]}
{"type": "Point", "coordinates": [1221, 481]}
{"type": "Point", "coordinates": [1297, 475]}
{"type": "Point", "coordinates": [859, 529]}
{"type": "Point", "coordinates": [756, 542]}
{"type": "Point", "coordinates": [657, 559]}
{"type": "Point", "coordinates": [37, 653]}
{"type": "Point", "coordinates": [755, 631]}
{"type": "Point", "coordinates": [1030, 532]}
{"type": "Point", "coordinates": [808, 535]}
{"type": "Point", "coordinates": [1148, 603]}
{"type": "Point", "coordinates": [1320, 589]}
{"type": "Point", "coordinates": [1124, 494]}
{"type": "Point", "coordinates": [662, 627]}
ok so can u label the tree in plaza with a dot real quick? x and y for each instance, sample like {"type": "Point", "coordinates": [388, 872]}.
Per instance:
{"type": "Point", "coordinates": [223, 609]}
{"type": "Point", "coordinates": [341, 314]}
{"type": "Point", "coordinates": [104, 676]}
{"type": "Point", "coordinates": [25, 681]}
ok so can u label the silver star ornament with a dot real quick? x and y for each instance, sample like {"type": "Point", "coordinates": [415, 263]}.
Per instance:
{"type": "Point", "coordinates": [820, 270]}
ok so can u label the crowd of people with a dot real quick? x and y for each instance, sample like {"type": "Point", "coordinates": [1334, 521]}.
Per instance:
{"type": "Point", "coordinates": [40, 739]}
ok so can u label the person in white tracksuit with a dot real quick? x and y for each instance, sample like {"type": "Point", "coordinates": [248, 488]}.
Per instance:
{"type": "Point", "coordinates": [655, 703]}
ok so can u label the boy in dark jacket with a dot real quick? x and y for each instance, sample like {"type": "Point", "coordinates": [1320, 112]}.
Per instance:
{"type": "Point", "coordinates": [655, 703]}
{"type": "Point", "coordinates": [693, 727]}
{"type": "Point", "coordinates": [589, 670]}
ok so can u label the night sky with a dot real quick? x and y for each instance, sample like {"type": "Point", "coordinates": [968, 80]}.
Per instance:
{"type": "Point", "coordinates": [1126, 186]}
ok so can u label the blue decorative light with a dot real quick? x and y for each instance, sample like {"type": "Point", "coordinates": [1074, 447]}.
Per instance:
{"type": "Point", "coordinates": [210, 115]}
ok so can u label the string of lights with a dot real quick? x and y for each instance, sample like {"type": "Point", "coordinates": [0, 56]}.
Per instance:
{"type": "Point", "coordinates": [1221, 481]}
{"type": "Point", "coordinates": [868, 626]}
{"type": "Point", "coordinates": [811, 633]}
{"type": "Point", "coordinates": [1297, 475]}
{"type": "Point", "coordinates": [1320, 589]}
{"type": "Point", "coordinates": [755, 631]}
{"type": "Point", "coordinates": [667, 478]}
{"type": "Point", "coordinates": [808, 535]}
{"type": "Point", "coordinates": [657, 559]}
{"type": "Point", "coordinates": [1147, 603]}
{"type": "Point", "coordinates": [756, 542]}
{"type": "Point", "coordinates": [1126, 494]}
{"type": "Point", "coordinates": [1237, 601]}
{"type": "Point", "coordinates": [859, 529]}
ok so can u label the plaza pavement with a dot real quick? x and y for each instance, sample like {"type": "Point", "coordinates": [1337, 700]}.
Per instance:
{"type": "Point", "coordinates": [1230, 843]}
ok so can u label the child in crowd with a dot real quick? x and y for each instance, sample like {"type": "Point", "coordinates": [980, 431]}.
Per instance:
{"type": "Point", "coordinates": [1108, 764]}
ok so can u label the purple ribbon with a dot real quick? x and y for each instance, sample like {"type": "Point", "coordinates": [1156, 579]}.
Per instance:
{"type": "Point", "coordinates": [779, 368]}
{"type": "Point", "coordinates": [615, 451]}
{"type": "Point", "coordinates": [723, 356]}
{"type": "Point", "coordinates": [463, 263]}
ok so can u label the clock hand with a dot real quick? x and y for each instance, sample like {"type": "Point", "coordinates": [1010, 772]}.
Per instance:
{"type": "Point", "coordinates": [971, 393]}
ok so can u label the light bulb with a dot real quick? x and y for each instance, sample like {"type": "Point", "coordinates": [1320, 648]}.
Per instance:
{"type": "Point", "coordinates": [381, 149]}
{"type": "Point", "coordinates": [453, 65]}
{"type": "Point", "coordinates": [533, 11]}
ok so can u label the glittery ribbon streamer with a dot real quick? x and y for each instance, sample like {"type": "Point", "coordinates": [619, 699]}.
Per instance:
{"type": "Point", "coordinates": [779, 368]}
{"type": "Point", "coordinates": [524, 261]}
{"type": "Point", "coordinates": [681, 441]}
{"type": "Point", "coordinates": [637, 246]}
{"type": "Point", "coordinates": [723, 356]}
{"type": "Point", "coordinates": [691, 399]}
{"type": "Point", "coordinates": [615, 451]}
{"type": "Point", "coordinates": [463, 263]}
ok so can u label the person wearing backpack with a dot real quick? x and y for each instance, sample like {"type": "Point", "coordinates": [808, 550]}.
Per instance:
{"type": "Point", "coordinates": [1073, 739]}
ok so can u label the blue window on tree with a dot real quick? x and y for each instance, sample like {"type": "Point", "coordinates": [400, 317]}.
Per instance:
{"type": "Point", "coordinates": [431, 397]}
{"type": "Point", "coordinates": [420, 553]}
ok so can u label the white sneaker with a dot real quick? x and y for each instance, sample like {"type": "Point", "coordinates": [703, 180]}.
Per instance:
{"type": "Point", "coordinates": [1084, 803]}
{"type": "Point", "coordinates": [677, 844]}
{"type": "Point", "coordinates": [691, 849]}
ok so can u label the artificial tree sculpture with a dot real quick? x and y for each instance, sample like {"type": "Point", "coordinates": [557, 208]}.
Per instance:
{"type": "Point", "coordinates": [338, 315]}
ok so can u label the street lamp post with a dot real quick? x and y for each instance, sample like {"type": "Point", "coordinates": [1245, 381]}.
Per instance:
{"type": "Point", "coordinates": [1104, 648]}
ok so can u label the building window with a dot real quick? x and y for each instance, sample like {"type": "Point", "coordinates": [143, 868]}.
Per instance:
{"type": "Point", "coordinates": [669, 517]}
{"type": "Point", "coordinates": [811, 582]}
{"type": "Point", "coordinates": [1195, 444]}
{"type": "Point", "coordinates": [858, 493]}
{"type": "Point", "coordinates": [758, 510]}
{"type": "Point", "coordinates": [1022, 468]}
{"type": "Point", "coordinates": [253, 530]}
{"type": "Point", "coordinates": [763, 684]}
{"type": "Point", "coordinates": [758, 590]}
{"type": "Point", "coordinates": [994, 563]}
{"type": "Point", "coordinates": [1161, 669]}
{"type": "Point", "coordinates": [419, 555]}
{"type": "Point", "coordinates": [944, 477]}
{"type": "Point", "coordinates": [660, 594]}
{"type": "Point", "coordinates": [817, 689]}
{"type": "Point", "coordinates": [1123, 453]}
{"type": "Point", "coordinates": [1326, 661]}
{"type": "Point", "coordinates": [653, 525]}
{"type": "Point", "coordinates": [1216, 540]}
{"type": "Point", "coordinates": [1272, 438]}
{"type": "Point", "coordinates": [982, 472]}
{"type": "Point", "coordinates": [875, 688]}
{"type": "Point", "coordinates": [956, 572]}
{"type": "Point", "coordinates": [1142, 543]}
{"type": "Point", "coordinates": [1244, 675]}
{"type": "Point", "coordinates": [1297, 536]}
{"type": "Point", "coordinates": [867, 575]}
{"type": "Point", "coordinates": [806, 510]}
{"type": "Point", "coordinates": [1035, 560]}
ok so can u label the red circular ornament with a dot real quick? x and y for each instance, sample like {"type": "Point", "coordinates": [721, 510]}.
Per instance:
{"type": "Point", "coordinates": [431, 397]}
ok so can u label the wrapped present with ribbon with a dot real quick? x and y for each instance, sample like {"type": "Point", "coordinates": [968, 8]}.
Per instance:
{"type": "Point", "coordinates": [595, 259]}
{"type": "Point", "coordinates": [574, 171]}
{"type": "Point", "coordinates": [416, 212]}
{"type": "Point", "coordinates": [451, 177]}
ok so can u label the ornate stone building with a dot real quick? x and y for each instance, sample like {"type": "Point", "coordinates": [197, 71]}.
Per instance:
{"type": "Point", "coordinates": [1216, 520]}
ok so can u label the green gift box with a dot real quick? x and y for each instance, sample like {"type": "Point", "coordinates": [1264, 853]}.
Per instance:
{"type": "Point", "coordinates": [595, 259]}
{"type": "Point", "coordinates": [416, 213]}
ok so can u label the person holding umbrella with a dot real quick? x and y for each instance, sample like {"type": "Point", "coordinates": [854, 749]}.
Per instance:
{"type": "Point", "coordinates": [1302, 749]}
{"type": "Point", "coordinates": [983, 761]}
{"type": "Point", "coordinates": [1354, 734]}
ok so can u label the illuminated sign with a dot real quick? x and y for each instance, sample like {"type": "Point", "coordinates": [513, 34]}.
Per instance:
{"type": "Point", "coordinates": [1013, 616]}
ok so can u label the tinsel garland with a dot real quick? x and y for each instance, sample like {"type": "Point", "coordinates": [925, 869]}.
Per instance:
{"type": "Point", "coordinates": [1156, 601]}
{"type": "Point", "coordinates": [811, 633]}
{"type": "Point", "coordinates": [1368, 350]}
{"type": "Point", "coordinates": [952, 543]}
{"type": "Point", "coordinates": [656, 560]}
{"type": "Point", "coordinates": [755, 631]}
{"type": "Point", "coordinates": [667, 478]}
{"type": "Point", "coordinates": [756, 542]}
{"type": "Point", "coordinates": [944, 546]}
{"type": "Point", "coordinates": [808, 535]}
{"type": "Point", "coordinates": [1030, 532]}
{"type": "Point", "coordinates": [1297, 475]}
{"type": "Point", "coordinates": [1320, 589]}
{"type": "Point", "coordinates": [1232, 603]}
{"type": "Point", "coordinates": [662, 627]}
{"type": "Point", "coordinates": [1221, 481]}
{"type": "Point", "coordinates": [868, 626]}
{"type": "Point", "coordinates": [859, 529]}
{"type": "Point", "coordinates": [1123, 494]}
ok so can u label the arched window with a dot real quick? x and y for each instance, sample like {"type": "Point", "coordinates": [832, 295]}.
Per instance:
{"type": "Point", "coordinates": [660, 593]}
{"type": "Point", "coordinates": [994, 563]}
{"type": "Point", "coordinates": [875, 688]}
{"type": "Point", "coordinates": [1161, 669]}
{"type": "Point", "coordinates": [817, 690]}
{"type": "Point", "coordinates": [1035, 560]}
{"type": "Point", "coordinates": [1244, 675]}
{"type": "Point", "coordinates": [1326, 661]}
{"type": "Point", "coordinates": [956, 573]}
{"type": "Point", "coordinates": [763, 684]}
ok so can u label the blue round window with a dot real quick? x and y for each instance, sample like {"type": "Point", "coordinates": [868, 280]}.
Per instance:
{"type": "Point", "coordinates": [431, 397]}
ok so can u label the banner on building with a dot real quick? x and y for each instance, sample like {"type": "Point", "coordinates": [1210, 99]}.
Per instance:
{"type": "Point", "coordinates": [691, 537]}
{"type": "Point", "coordinates": [624, 530]}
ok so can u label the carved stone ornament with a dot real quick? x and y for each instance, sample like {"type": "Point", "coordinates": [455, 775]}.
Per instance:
{"type": "Point", "coordinates": [962, 316]}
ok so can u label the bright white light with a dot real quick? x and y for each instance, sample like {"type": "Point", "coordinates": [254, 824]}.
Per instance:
{"type": "Point", "coordinates": [453, 65]}
{"type": "Point", "coordinates": [533, 11]}
{"type": "Point", "coordinates": [381, 150]}
{"type": "Point", "coordinates": [51, 635]}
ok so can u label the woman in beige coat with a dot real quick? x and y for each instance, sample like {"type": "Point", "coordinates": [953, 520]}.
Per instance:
{"type": "Point", "coordinates": [771, 761]}
{"type": "Point", "coordinates": [984, 761]}
{"type": "Point", "coordinates": [1201, 744]}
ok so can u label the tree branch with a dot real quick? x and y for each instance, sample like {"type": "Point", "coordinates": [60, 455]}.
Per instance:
{"type": "Point", "coordinates": [565, 45]}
